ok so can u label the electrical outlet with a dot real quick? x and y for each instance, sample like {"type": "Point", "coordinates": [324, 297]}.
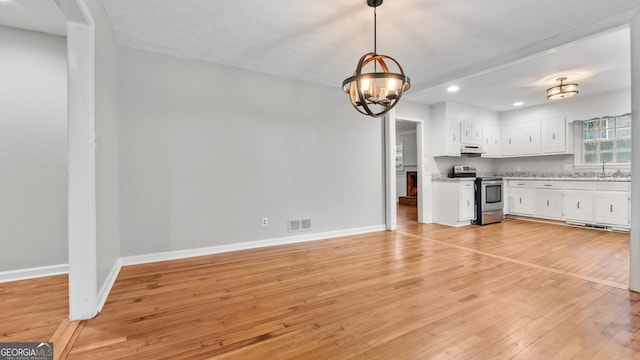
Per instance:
{"type": "Point", "coordinates": [265, 222]}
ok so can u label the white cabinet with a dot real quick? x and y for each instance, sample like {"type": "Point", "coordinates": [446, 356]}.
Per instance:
{"type": "Point", "coordinates": [548, 203]}
{"type": "Point", "coordinates": [453, 202]}
{"type": "Point", "coordinates": [521, 195]}
{"type": "Point", "coordinates": [446, 138]}
{"type": "Point", "coordinates": [599, 203]}
{"type": "Point", "coordinates": [612, 208]}
{"type": "Point", "coordinates": [521, 139]}
{"type": "Point", "coordinates": [467, 201]}
{"type": "Point", "coordinates": [471, 132]}
{"type": "Point", "coordinates": [554, 136]}
{"type": "Point", "coordinates": [491, 143]}
{"type": "Point", "coordinates": [578, 206]}
{"type": "Point", "coordinates": [454, 124]}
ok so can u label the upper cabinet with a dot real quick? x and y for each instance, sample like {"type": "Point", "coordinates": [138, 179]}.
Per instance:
{"type": "Point", "coordinates": [522, 138]}
{"type": "Point", "coordinates": [531, 136]}
{"type": "Point", "coordinates": [554, 136]}
{"type": "Point", "coordinates": [454, 125]}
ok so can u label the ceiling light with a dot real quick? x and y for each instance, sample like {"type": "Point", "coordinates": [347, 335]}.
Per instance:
{"type": "Point", "coordinates": [453, 88]}
{"type": "Point", "coordinates": [563, 90]}
{"type": "Point", "coordinates": [518, 103]}
{"type": "Point", "coordinates": [375, 92]}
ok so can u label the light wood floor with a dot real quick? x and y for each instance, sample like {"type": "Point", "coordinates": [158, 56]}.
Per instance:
{"type": "Point", "coordinates": [514, 290]}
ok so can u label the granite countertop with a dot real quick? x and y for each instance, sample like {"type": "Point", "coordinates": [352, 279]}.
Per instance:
{"type": "Point", "coordinates": [453, 179]}
{"type": "Point", "coordinates": [586, 178]}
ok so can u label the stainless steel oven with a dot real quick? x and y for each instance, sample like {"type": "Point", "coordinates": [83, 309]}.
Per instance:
{"type": "Point", "coordinates": [489, 202]}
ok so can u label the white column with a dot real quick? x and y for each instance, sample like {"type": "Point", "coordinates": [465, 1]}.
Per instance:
{"type": "Point", "coordinates": [634, 268]}
{"type": "Point", "coordinates": [81, 161]}
{"type": "Point", "coordinates": [390, 169]}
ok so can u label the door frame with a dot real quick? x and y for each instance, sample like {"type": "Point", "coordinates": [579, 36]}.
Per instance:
{"type": "Point", "coordinates": [391, 214]}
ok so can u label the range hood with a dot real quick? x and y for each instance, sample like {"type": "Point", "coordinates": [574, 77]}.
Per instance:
{"type": "Point", "coordinates": [475, 150]}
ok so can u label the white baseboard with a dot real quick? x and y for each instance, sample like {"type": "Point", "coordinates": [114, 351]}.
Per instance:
{"type": "Point", "coordinates": [31, 273]}
{"type": "Point", "coordinates": [181, 254]}
{"type": "Point", "coordinates": [105, 289]}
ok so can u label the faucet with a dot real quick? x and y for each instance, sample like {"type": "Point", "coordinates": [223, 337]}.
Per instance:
{"type": "Point", "coordinates": [603, 162]}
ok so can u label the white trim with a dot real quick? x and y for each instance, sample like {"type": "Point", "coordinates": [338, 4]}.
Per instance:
{"type": "Point", "coordinates": [32, 273]}
{"type": "Point", "coordinates": [181, 254]}
{"type": "Point", "coordinates": [108, 283]}
{"type": "Point", "coordinates": [389, 161]}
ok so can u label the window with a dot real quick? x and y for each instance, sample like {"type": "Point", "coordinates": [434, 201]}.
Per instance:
{"type": "Point", "coordinates": [606, 139]}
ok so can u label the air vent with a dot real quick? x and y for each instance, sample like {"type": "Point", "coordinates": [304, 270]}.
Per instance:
{"type": "Point", "coordinates": [294, 225]}
{"type": "Point", "coordinates": [299, 225]}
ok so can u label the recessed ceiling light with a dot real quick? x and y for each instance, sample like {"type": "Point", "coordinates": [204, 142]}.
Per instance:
{"type": "Point", "coordinates": [518, 103]}
{"type": "Point", "coordinates": [453, 88]}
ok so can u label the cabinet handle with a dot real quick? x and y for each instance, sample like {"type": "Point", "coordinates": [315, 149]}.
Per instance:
{"type": "Point", "coordinates": [520, 184]}
{"type": "Point", "coordinates": [466, 133]}
{"type": "Point", "coordinates": [547, 202]}
{"type": "Point", "coordinates": [548, 185]}
{"type": "Point", "coordinates": [467, 203]}
{"type": "Point", "coordinates": [611, 208]}
{"type": "Point", "coordinates": [578, 205]}
{"type": "Point", "coordinates": [509, 141]}
{"type": "Point", "coordinates": [495, 141]}
{"type": "Point", "coordinates": [530, 140]}
{"type": "Point", "coordinates": [520, 200]}
{"type": "Point", "coordinates": [553, 136]}
{"type": "Point", "coordinates": [454, 137]}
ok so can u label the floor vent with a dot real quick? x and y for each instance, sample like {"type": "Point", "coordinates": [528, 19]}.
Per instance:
{"type": "Point", "coordinates": [299, 225]}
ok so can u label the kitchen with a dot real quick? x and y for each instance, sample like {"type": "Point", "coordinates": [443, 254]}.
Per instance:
{"type": "Point", "coordinates": [542, 140]}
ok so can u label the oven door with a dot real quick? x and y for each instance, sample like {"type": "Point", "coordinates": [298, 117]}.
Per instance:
{"type": "Point", "coordinates": [491, 195]}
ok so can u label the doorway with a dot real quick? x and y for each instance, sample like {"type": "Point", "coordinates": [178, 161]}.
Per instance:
{"type": "Point", "coordinates": [407, 187]}
{"type": "Point", "coordinates": [404, 152]}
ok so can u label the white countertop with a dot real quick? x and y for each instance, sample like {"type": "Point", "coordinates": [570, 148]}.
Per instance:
{"type": "Point", "coordinates": [611, 179]}
{"type": "Point", "coordinates": [455, 179]}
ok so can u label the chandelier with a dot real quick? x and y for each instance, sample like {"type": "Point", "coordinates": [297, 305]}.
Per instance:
{"type": "Point", "coordinates": [563, 90]}
{"type": "Point", "coordinates": [374, 91]}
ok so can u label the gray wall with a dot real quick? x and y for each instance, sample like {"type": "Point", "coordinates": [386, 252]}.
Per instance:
{"type": "Point", "coordinates": [207, 151]}
{"type": "Point", "coordinates": [107, 151]}
{"type": "Point", "coordinates": [33, 125]}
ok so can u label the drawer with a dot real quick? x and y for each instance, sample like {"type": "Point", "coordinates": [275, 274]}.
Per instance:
{"type": "Point", "coordinates": [521, 183]}
{"type": "Point", "coordinates": [612, 186]}
{"type": "Point", "coordinates": [579, 185]}
{"type": "Point", "coordinates": [549, 185]}
{"type": "Point", "coordinates": [466, 185]}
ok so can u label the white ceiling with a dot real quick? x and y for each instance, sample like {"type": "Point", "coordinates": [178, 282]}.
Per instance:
{"type": "Point", "coordinates": [438, 42]}
{"type": "Point", "coordinates": [37, 15]}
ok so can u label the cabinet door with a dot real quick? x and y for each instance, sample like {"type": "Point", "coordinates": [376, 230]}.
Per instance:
{"type": "Point", "coordinates": [612, 208]}
{"type": "Point", "coordinates": [509, 141]}
{"type": "Point", "coordinates": [453, 137]}
{"type": "Point", "coordinates": [529, 138]}
{"type": "Point", "coordinates": [466, 132]}
{"type": "Point", "coordinates": [548, 203]}
{"type": "Point", "coordinates": [467, 210]}
{"type": "Point", "coordinates": [521, 201]}
{"type": "Point", "coordinates": [554, 135]}
{"type": "Point", "coordinates": [477, 134]}
{"type": "Point", "coordinates": [578, 206]}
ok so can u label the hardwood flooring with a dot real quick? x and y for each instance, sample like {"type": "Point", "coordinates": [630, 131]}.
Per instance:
{"type": "Point", "coordinates": [514, 290]}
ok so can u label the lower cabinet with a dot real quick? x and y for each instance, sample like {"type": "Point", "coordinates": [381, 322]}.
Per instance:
{"type": "Point", "coordinates": [548, 203]}
{"type": "Point", "coordinates": [578, 206]}
{"type": "Point", "coordinates": [453, 202]}
{"type": "Point", "coordinates": [601, 203]}
{"type": "Point", "coordinates": [612, 208]}
{"type": "Point", "coordinates": [521, 201]}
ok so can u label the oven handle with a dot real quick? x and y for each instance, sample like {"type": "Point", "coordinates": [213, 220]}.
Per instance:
{"type": "Point", "coordinates": [492, 182]}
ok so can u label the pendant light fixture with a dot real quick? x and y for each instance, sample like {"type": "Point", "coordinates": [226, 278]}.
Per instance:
{"type": "Point", "coordinates": [374, 91]}
{"type": "Point", "coordinates": [563, 90]}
